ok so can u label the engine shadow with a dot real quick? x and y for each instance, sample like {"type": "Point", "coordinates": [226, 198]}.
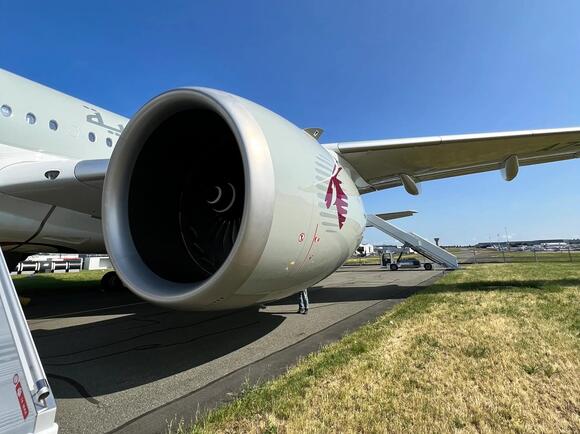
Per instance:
{"type": "Point", "coordinates": [53, 298]}
{"type": "Point", "coordinates": [339, 294]}
{"type": "Point", "coordinates": [103, 357]}
{"type": "Point", "coordinates": [121, 342]}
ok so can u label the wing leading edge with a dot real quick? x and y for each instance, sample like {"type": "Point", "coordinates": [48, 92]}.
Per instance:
{"type": "Point", "coordinates": [389, 163]}
{"type": "Point", "coordinates": [379, 164]}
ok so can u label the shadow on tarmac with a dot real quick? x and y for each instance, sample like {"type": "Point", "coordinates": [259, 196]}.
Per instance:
{"type": "Point", "coordinates": [341, 294]}
{"type": "Point", "coordinates": [99, 358]}
{"type": "Point", "coordinates": [504, 285]}
{"type": "Point", "coordinates": [76, 301]}
{"type": "Point", "coordinates": [129, 343]}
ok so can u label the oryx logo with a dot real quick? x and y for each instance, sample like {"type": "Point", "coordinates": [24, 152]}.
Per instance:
{"type": "Point", "coordinates": [335, 191]}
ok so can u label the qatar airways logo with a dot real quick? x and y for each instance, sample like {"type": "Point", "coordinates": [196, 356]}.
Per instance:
{"type": "Point", "coordinates": [335, 191]}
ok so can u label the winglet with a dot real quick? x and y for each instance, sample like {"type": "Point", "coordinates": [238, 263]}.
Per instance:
{"type": "Point", "coordinates": [315, 132]}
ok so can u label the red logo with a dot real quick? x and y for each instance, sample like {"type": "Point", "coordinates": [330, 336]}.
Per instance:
{"type": "Point", "coordinates": [20, 396]}
{"type": "Point", "coordinates": [335, 190]}
{"type": "Point", "coordinates": [301, 237]}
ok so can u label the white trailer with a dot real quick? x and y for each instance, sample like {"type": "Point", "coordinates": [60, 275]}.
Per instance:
{"type": "Point", "coordinates": [27, 404]}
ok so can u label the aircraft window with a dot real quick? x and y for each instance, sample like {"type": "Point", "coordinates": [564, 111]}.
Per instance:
{"type": "Point", "coordinates": [6, 111]}
{"type": "Point", "coordinates": [53, 125]}
{"type": "Point", "coordinates": [30, 119]}
{"type": "Point", "coordinates": [109, 142]}
{"type": "Point", "coordinates": [92, 136]}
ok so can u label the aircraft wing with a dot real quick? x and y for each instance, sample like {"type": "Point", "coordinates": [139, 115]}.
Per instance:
{"type": "Point", "coordinates": [379, 164]}
{"type": "Point", "coordinates": [71, 184]}
{"type": "Point", "coordinates": [390, 163]}
{"type": "Point", "coordinates": [396, 214]}
{"type": "Point", "coordinates": [393, 215]}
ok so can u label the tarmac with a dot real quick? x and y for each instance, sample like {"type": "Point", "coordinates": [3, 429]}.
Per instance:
{"type": "Point", "coordinates": [118, 364]}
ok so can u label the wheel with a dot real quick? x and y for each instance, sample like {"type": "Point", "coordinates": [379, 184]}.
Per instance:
{"type": "Point", "coordinates": [428, 267]}
{"type": "Point", "coordinates": [394, 267]}
{"type": "Point", "coordinates": [110, 282]}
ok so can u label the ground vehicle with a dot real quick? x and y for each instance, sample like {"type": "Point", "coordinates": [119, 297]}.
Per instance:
{"type": "Point", "coordinates": [387, 260]}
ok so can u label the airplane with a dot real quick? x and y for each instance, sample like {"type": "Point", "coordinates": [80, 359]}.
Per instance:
{"type": "Point", "coordinates": [207, 201]}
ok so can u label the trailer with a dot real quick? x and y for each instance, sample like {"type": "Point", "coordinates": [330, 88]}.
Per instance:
{"type": "Point", "coordinates": [27, 404]}
{"type": "Point", "coordinates": [388, 261]}
{"type": "Point", "coordinates": [49, 266]}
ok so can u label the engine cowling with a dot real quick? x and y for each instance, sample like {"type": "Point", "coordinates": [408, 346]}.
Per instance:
{"type": "Point", "coordinates": [213, 202]}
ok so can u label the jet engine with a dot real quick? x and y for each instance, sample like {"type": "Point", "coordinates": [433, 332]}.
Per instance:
{"type": "Point", "coordinates": [213, 202]}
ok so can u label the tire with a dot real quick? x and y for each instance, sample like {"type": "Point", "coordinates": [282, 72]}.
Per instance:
{"type": "Point", "coordinates": [110, 282]}
{"type": "Point", "coordinates": [394, 267]}
{"type": "Point", "coordinates": [428, 267]}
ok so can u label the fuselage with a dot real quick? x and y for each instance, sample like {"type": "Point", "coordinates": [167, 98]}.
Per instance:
{"type": "Point", "coordinates": [40, 124]}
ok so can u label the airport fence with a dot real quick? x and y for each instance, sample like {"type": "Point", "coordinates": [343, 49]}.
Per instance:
{"type": "Point", "coordinates": [486, 256]}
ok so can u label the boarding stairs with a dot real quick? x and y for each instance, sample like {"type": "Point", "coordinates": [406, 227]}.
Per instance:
{"type": "Point", "coordinates": [27, 404]}
{"type": "Point", "coordinates": [415, 242]}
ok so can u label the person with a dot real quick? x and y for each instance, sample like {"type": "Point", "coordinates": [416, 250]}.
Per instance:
{"type": "Point", "coordinates": [303, 302]}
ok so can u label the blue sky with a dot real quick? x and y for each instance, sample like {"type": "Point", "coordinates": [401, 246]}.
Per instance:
{"type": "Point", "coordinates": [360, 70]}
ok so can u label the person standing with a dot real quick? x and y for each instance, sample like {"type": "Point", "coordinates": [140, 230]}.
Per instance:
{"type": "Point", "coordinates": [303, 302]}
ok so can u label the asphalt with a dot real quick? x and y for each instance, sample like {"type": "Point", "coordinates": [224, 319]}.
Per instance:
{"type": "Point", "coordinates": [117, 364]}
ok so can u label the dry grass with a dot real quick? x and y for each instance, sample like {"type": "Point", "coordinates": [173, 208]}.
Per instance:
{"type": "Point", "coordinates": [368, 260]}
{"type": "Point", "coordinates": [491, 348]}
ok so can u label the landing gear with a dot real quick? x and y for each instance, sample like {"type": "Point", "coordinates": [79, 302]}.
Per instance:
{"type": "Point", "coordinates": [110, 282]}
{"type": "Point", "coordinates": [394, 267]}
{"type": "Point", "coordinates": [428, 266]}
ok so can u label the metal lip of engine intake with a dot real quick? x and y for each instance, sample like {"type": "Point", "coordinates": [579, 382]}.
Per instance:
{"type": "Point", "coordinates": [257, 212]}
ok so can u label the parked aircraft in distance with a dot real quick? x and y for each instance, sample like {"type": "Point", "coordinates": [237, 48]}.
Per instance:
{"type": "Point", "coordinates": [556, 246]}
{"type": "Point", "coordinates": [206, 200]}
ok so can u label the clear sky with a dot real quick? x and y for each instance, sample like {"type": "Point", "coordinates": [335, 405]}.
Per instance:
{"type": "Point", "coordinates": [359, 69]}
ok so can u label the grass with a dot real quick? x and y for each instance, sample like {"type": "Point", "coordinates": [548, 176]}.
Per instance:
{"type": "Point", "coordinates": [490, 348]}
{"type": "Point", "coordinates": [370, 260]}
{"type": "Point", "coordinates": [51, 281]}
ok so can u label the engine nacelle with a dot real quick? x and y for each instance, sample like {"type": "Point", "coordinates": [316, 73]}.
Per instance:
{"type": "Point", "coordinates": [213, 202]}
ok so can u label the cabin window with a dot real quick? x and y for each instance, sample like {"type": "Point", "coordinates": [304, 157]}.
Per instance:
{"type": "Point", "coordinates": [109, 142]}
{"type": "Point", "coordinates": [92, 137]}
{"type": "Point", "coordinates": [6, 111]}
{"type": "Point", "coordinates": [30, 119]}
{"type": "Point", "coordinates": [53, 125]}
